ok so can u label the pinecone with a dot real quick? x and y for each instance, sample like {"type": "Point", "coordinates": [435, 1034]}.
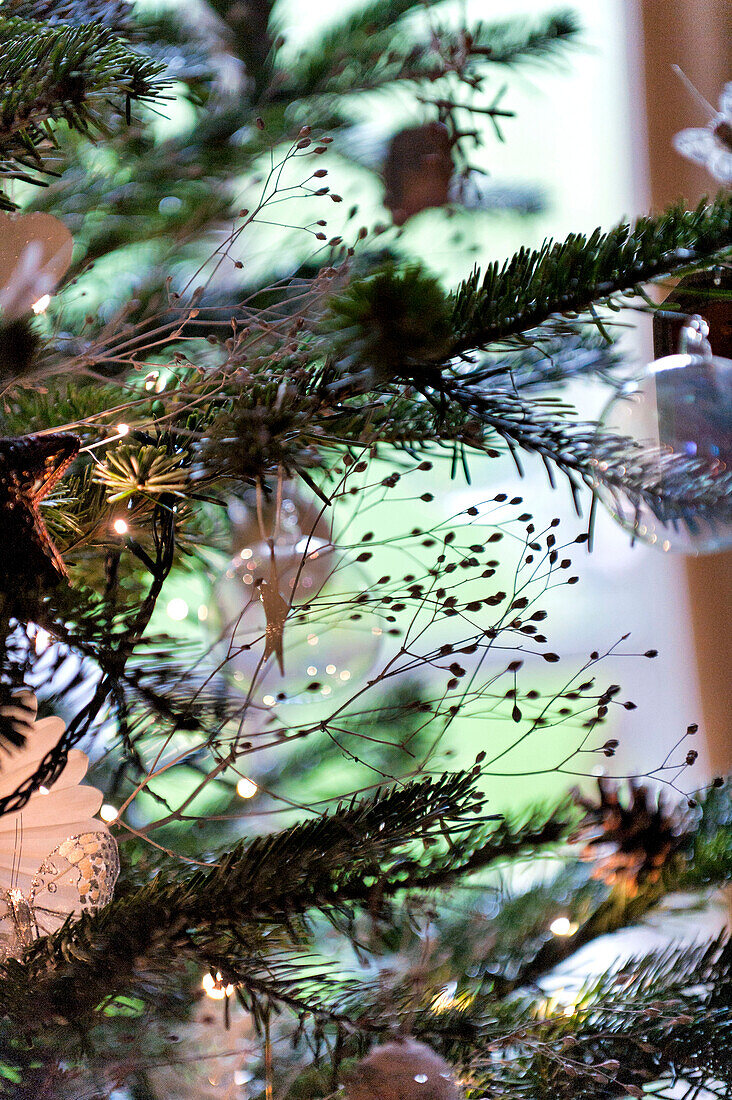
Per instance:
{"type": "Point", "coordinates": [629, 844]}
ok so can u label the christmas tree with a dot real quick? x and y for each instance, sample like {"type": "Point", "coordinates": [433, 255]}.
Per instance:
{"type": "Point", "coordinates": [291, 891]}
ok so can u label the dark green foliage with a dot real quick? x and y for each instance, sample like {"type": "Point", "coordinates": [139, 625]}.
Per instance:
{"type": "Point", "coordinates": [115, 14]}
{"type": "Point", "coordinates": [265, 886]}
{"type": "Point", "coordinates": [20, 343]}
{"type": "Point", "coordinates": [393, 325]}
{"type": "Point", "coordinates": [202, 383]}
{"type": "Point", "coordinates": [360, 53]}
{"type": "Point", "coordinates": [260, 433]}
{"type": "Point", "coordinates": [54, 73]}
{"type": "Point", "coordinates": [569, 276]}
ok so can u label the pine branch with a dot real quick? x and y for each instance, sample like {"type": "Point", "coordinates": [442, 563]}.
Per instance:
{"type": "Point", "coordinates": [269, 883]}
{"type": "Point", "coordinates": [50, 74]}
{"type": "Point", "coordinates": [550, 363]}
{"type": "Point", "coordinates": [676, 488]}
{"type": "Point", "coordinates": [360, 53]}
{"type": "Point", "coordinates": [567, 277]}
{"type": "Point", "coordinates": [707, 864]}
{"type": "Point", "coordinates": [483, 848]}
{"type": "Point", "coordinates": [665, 1017]}
{"type": "Point", "coordinates": [115, 14]}
{"type": "Point", "coordinates": [395, 327]}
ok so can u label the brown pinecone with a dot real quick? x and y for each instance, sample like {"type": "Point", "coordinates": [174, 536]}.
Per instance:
{"type": "Point", "coordinates": [630, 844]}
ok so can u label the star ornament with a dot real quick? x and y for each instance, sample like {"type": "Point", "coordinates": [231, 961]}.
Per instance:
{"type": "Point", "coordinates": [30, 467]}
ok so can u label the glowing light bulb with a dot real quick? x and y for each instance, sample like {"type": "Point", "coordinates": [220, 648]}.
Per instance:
{"type": "Point", "coordinates": [177, 609]}
{"type": "Point", "coordinates": [214, 987]}
{"type": "Point", "coordinates": [42, 304]}
{"type": "Point", "coordinates": [246, 788]}
{"type": "Point", "coordinates": [43, 790]}
{"type": "Point", "coordinates": [108, 812]}
{"type": "Point", "coordinates": [563, 926]}
{"type": "Point", "coordinates": [202, 613]}
{"type": "Point", "coordinates": [120, 526]}
{"type": "Point", "coordinates": [268, 700]}
{"type": "Point", "coordinates": [123, 429]}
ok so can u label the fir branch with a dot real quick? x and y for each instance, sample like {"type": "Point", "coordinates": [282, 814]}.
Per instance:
{"type": "Point", "coordinates": [50, 74]}
{"type": "Point", "coordinates": [550, 363]}
{"type": "Point", "coordinates": [360, 53]}
{"type": "Point", "coordinates": [678, 489]}
{"type": "Point", "coordinates": [326, 864]}
{"type": "Point", "coordinates": [567, 277]}
{"type": "Point", "coordinates": [384, 335]}
{"type": "Point", "coordinates": [114, 14]}
{"type": "Point", "coordinates": [660, 1018]}
{"type": "Point", "coordinates": [482, 848]}
{"type": "Point", "coordinates": [706, 864]}
{"type": "Point", "coordinates": [709, 858]}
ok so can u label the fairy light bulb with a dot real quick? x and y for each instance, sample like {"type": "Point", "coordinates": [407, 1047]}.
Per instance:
{"type": "Point", "coordinates": [177, 609]}
{"type": "Point", "coordinates": [214, 987]}
{"type": "Point", "coordinates": [108, 812]}
{"type": "Point", "coordinates": [123, 429]}
{"type": "Point", "coordinates": [42, 304]}
{"type": "Point", "coordinates": [563, 926]}
{"type": "Point", "coordinates": [120, 527]}
{"type": "Point", "coordinates": [246, 788]}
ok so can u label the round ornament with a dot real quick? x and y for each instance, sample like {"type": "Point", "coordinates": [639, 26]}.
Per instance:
{"type": "Point", "coordinates": [402, 1070]}
{"type": "Point", "coordinates": [288, 594]}
{"type": "Point", "coordinates": [300, 536]}
{"type": "Point", "coordinates": [681, 405]}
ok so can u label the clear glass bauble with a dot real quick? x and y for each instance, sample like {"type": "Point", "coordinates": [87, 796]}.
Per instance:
{"type": "Point", "coordinates": [330, 641]}
{"type": "Point", "coordinates": [682, 404]}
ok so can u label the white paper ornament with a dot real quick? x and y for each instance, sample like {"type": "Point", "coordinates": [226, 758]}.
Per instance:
{"type": "Point", "coordinates": [56, 858]}
{"type": "Point", "coordinates": [682, 405]}
{"type": "Point", "coordinates": [711, 146]}
{"type": "Point", "coordinates": [402, 1070]}
{"type": "Point", "coordinates": [35, 253]}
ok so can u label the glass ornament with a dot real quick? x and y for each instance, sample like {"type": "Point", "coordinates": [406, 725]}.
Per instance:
{"type": "Point", "coordinates": [329, 640]}
{"type": "Point", "coordinates": [682, 404]}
